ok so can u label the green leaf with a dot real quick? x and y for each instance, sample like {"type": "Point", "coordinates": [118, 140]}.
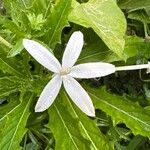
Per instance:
{"type": "Point", "coordinates": [148, 11]}
{"type": "Point", "coordinates": [41, 7]}
{"type": "Point", "coordinates": [8, 107]}
{"type": "Point", "coordinates": [23, 4]}
{"type": "Point", "coordinates": [139, 15]}
{"type": "Point", "coordinates": [57, 21]}
{"type": "Point", "coordinates": [15, 126]}
{"type": "Point", "coordinates": [95, 50]}
{"type": "Point", "coordinates": [9, 85]}
{"type": "Point", "coordinates": [135, 142]}
{"type": "Point", "coordinates": [122, 110]}
{"type": "Point", "coordinates": [97, 14]}
{"type": "Point", "coordinates": [4, 42]}
{"type": "Point", "coordinates": [16, 49]}
{"type": "Point", "coordinates": [134, 4]}
{"type": "Point", "coordinates": [65, 127]}
{"type": "Point", "coordinates": [78, 131]}
{"type": "Point", "coordinates": [8, 24]}
{"type": "Point", "coordinates": [136, 46]}
{"type": "Point", "coordinates": [10, 65]}
{"type": "Point", "coordinates": [6, 67]}
{"type": "Point", "coordinates": [19, 23]}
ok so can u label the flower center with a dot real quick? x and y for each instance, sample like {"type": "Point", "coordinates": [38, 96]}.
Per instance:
{"type": "Point", "coordinates": [65, 71]}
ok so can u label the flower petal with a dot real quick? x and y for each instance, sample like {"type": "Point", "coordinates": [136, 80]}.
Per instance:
{"type": "Point", "coordinates": [78, 95]}
{"type": "Point", "coordinates": [49, 94]}
{"type": "Point", "coordinates": [42, 55]}
{"type": "Point", "coordinates": [92, 70]}
{"type": "Point", "coordinates": [73, 49]}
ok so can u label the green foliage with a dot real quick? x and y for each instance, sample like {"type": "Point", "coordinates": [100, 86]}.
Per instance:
{"type": "Point", "coordinates": [97, 14]}
{"type": "Point", "coordinates": [9, 85]}
{"type": "Point", "coordinates": [134, 45]}
{"type": "Point", "coordinates": [15, 124]}
{"type": "Point", "coordinates": [57, 21]}
{"type": "Point", "coordinates": [140, 15]}
{"type": "Point", "coordinates": [74, 127]}
{"type": "Point", "coordinates": [69, 129]}
{"type": "Point", "coordinates": [16, 49]}
{"type": "Point", "coordinates": [122, 111]}
{"type": "Point", "coordinates": [134, 4]}
{"type": "Point", "coordinates": [9, 66]}
{"type": "Point", "coordinates": [95, 50]}
{"type": "Point", "coordinates": [115, 31]}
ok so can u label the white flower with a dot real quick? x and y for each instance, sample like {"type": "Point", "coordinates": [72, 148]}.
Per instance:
{"type": "Point", "coordinates": [66, 73]}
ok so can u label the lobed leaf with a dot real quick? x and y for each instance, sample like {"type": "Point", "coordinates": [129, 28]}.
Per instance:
{"type": "Point", "coordinates": [65, 127]}
{"type": "Point", "coordinates": [97, 14]}
{"type": "Point", "coordinates": [57, 21]}
{"type": "Point", "coordinates": [76, 129]}
{"type": "Point", "coordinates": [122, 110]}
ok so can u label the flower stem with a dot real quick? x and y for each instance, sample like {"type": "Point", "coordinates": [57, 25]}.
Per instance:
{"type": "Point", "coordinates": [3, 41]}
{"type": "Point", "coordinates": [133, 67]}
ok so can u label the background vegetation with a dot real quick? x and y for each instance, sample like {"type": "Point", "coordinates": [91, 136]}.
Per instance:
{"type": "Point", "coordinates": [114, 31]}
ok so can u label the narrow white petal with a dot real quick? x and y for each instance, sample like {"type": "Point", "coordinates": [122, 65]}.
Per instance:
{"type": "Point", "coordinates": [73, 49]}
{"type": "Point", "coordinates": [78, 95]}
{"type": "Point", "coordinates": [92, 70]}
{"type": "Point", "coordinates": [49, 94]}
{"type": "Point", "coordinates": [42, 55]}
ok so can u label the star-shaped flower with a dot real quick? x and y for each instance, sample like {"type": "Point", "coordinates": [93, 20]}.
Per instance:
{"type": "Point", "coordinates": [66, 73]}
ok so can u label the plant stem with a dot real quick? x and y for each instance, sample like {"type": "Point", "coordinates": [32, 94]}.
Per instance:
{"type": "Point", "coordinates": [3, 41]}
{"type": "Point", "coordinates": [133, 67]}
